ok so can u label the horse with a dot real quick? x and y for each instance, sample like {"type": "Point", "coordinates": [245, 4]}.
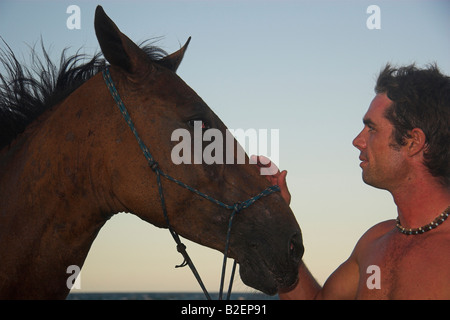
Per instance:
{"type": "Point", "coordinates": [69, 162]}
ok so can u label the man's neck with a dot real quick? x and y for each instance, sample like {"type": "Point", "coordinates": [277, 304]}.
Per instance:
{"type": "Point", "coordinates": [421, 202]}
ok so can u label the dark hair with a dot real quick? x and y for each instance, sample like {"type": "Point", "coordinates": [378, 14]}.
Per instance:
{"type": "Point", "coordinates": [421, 99]}
{"type": "Point", "coordinates": [27, 92]}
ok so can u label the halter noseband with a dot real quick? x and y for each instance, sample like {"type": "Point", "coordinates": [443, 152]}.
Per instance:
{"type": "Point", "coordinates": [237, 207]}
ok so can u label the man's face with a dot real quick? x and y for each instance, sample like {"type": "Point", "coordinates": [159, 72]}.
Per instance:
{"type": "Point", "coordinates": [383, 162]}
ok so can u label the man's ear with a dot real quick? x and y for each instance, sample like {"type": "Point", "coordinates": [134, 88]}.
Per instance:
{"type": "Point", "coordinates": [416, 142]}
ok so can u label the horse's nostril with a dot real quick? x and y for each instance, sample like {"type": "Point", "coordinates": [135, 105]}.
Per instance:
{"type": "Point", "coordinates": [296, 248]}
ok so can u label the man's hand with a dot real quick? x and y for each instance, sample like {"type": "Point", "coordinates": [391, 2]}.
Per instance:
{"type": "Point", "coordinates": [276, 177]}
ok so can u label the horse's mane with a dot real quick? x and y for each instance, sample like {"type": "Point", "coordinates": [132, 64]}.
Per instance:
{"type": "Point", "coordinates": [27, 91]}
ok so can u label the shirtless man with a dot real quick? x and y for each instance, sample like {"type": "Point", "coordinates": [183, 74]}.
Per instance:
{"type": "Point", "coordinates": [404, 149]}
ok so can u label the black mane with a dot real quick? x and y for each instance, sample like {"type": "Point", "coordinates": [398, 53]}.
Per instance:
{"type": "Point", "coordinates": [26, 92]}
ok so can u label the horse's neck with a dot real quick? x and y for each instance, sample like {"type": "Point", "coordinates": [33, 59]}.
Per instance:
{"type": "Point", "coordinates": [49, 208]}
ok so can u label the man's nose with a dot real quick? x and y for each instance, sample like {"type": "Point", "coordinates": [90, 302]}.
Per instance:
{"type": "Point", "coordinates": [359, 142]}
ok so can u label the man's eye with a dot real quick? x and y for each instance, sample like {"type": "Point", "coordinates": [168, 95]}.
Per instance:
{"type": "Point", "coordinates": [198, 123]}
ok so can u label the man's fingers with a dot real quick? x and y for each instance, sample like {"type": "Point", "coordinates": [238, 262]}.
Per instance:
{"type": "Point", "coordinates": [273, 175]}
{"type": "Point", "coordinates": [264, 162]}
{"type": "Point", "coordinates": [283, 187]}
{"type": "Point", "coordinates": [282, 178]}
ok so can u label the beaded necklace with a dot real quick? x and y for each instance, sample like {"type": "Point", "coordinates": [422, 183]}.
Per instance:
{"type": "Point", "coordinates": [439, 220]}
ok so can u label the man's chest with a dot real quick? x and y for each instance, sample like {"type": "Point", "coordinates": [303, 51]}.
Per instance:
{"type": "Point", "coordinates": [402, 267]}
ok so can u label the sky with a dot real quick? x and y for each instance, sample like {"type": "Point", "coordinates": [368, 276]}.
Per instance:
{"type": "Point", "coordinates": [306, 68]}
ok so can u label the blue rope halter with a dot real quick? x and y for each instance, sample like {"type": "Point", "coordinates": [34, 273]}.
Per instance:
{"type": "Point", "coordinates": [237, 207]}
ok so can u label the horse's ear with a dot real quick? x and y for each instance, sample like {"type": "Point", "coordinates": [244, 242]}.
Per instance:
{"type": "Point", "coordinates": [117, 48]}
{"type": "Point", "coordinates": [173, 60]}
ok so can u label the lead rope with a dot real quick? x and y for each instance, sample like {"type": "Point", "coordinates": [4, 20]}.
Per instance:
{"type": "Point", "coordinates": [181, 248]}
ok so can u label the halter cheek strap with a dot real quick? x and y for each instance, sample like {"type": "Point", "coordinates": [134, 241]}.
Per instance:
{"type": "Point", "coordinates": [237, 207]}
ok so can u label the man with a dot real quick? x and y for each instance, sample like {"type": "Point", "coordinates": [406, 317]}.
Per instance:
{"type": "Point", "coordinates": [404, 149]}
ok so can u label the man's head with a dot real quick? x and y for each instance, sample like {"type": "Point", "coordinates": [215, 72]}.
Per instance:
{"type": "Point", "coordinates": [419, 101]}
{"type": "Point", "coordinates": [384, 166]}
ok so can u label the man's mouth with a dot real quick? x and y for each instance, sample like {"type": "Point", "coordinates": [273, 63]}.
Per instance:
{"type": "Point", "coordinates": [363, 161]}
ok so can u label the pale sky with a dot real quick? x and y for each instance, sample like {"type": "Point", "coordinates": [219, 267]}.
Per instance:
{"type": "Point", "coordinates": [307, 68]}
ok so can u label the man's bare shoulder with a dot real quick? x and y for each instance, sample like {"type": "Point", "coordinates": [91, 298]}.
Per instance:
{"type": "Point", "coordinates": [375, 232]}
{"type": "Point", "coordinates": [382, 228]}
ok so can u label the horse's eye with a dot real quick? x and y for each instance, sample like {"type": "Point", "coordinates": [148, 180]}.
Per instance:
{"type": "Point", "coordinates": [195, 122]}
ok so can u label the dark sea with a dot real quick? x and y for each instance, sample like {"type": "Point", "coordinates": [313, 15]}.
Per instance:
{"type": "Point", "coordinates": [165, 296]}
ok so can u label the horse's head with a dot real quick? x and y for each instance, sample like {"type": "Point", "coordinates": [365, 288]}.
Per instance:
{"type": "Point", "coordinates": [265, 237]}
